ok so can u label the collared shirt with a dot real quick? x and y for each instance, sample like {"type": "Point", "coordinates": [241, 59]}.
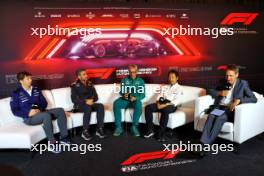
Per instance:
{"type": "Point", "coordinates": [29, 91]}
{"type": "Point", "coordinates": [173, 93]}
{"type": "Point", "coordinates": [229, 97]}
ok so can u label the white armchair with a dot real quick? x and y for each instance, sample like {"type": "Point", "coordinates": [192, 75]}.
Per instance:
{"type": "Point", "coordinates": [248, 121]}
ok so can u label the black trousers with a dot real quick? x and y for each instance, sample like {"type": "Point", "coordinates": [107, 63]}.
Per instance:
{"type": "Point", "coordinates": [213, 126]}
{"type": "Point", "coordinates": [87, 110]}
{"type": "Point", "coordinates": [164, 115]}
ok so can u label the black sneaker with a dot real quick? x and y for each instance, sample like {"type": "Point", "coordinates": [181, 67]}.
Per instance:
{"type": "Point", "coordinates": [149, 134]}
{"type": "Point", "coordinates": [100, 133]}
{"type": "Point", "coordinates": [161, 137]}
{"type": "Point", "coordinates": [86, 135]}
{"type": "Point", "coordinates": [66, 140]}
{"type": "Point", "coordinates": [54, 147]}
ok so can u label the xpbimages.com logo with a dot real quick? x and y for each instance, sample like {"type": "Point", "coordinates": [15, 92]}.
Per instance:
{"type": "Point", "coordinates": [62, 31]}
{"type": "Point", "coordinates": [225, 30]}
{"type": "Point", "coordinates": [81, 148]}
{"type": "Point", "coordinates": [197, 31]}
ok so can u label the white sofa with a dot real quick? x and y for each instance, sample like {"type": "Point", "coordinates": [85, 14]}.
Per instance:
{"type": "Point", "coordinates": [15, 134]}
{"type": "Point", "coordinates": [248, 120]}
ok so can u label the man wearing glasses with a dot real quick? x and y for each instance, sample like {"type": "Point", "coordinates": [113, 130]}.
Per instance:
{"type": "Point", "coordinates": [132, 92]}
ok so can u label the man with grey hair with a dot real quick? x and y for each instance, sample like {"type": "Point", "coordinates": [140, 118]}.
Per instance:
{"type": "Point", "coordinates": [132, 92]}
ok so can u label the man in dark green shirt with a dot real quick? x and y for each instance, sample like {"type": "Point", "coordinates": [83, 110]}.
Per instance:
{"type": "Point", "coordinates": [132, 92]}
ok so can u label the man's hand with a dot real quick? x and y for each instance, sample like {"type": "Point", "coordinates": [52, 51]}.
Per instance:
{"type": "Point", "coordinates": [67, 114]}
{"type": "Point", "coordinates": [234, 104]}
{"type": "Point", "coordinates": [161, 106]}
{"type": "Point", "coordinates": [223, 93]}
{"type": "Point", "coordinates": [33, 112]}
{"type": "Point", "coordinates": [133, 98]}
{"type": "Point", "coordinates": [89, 102]}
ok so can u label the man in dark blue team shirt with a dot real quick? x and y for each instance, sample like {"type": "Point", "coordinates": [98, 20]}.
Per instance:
{"type": "Point", "coordinates": [29, 103]}
{"type": "Point", "coordinates": [84, 97]}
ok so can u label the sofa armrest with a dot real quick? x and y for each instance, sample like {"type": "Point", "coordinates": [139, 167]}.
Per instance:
{"type": "Point", "coordinates": [249, 121]}
{"type": "Point", "coordinates": [201, 104]}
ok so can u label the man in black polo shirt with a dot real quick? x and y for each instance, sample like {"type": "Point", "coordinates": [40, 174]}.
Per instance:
{"type": "Point", "coordinates": [84, 96]}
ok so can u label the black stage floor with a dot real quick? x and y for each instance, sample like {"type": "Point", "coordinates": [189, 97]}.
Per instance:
{"type": "Point", "coordinates": [115, 150]}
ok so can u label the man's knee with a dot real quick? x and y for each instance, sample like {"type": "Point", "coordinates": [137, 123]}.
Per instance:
{"type": "Point", "coordinates": [58, 111]}
{"type": "Point", "coordinates": [222, 117]}
{"type": "Point", "coordinates": [165, 110]}
{"type": "Point", "coordinates": [100, 107]}
{"type": "Point", "coordinates": [138, 104]}
{"type": "Point", "coordinates": [87, 109]}
{"type": "Point", "coordinates": [46, 116]}
{"type": "Point", "coordinates": [149, 108]}
{"type": "Point", "coordinates": [117, 102]}
{"type": "Point", "coordinates": [211, 117]}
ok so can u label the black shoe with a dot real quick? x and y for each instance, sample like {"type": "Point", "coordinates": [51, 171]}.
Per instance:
{"type": "Point", "coordinates": [100, 133]}
{"type": "Point", "coordinates": [86, 135]}
{"type": "Point", "coordinates": [149, 134]}
{"type": "Point", "coordinates": [162, 138]}
{"type": "Point", "coordinates": [66, 140]}
{"type": "Point", "coordinates": [53, 147]}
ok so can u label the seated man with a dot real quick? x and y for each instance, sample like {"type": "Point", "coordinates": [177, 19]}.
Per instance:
{"type": "Point", "coordinates": [84, 96]}
{"type": "Point", "coordinates": [28, 102]}
{"type": "Point", "coordinates": [132, 92]}
{"type": "Point", "coordinates": [167, 102]}
{"type": "Point", "coordinates": [229, 93]}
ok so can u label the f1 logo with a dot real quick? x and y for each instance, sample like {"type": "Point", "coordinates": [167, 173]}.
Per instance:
{"type": "Point", "coordinates": [102, 73]}
{"type": "Point", "coordinates": [141, 157]}
{"type": "Point", "coordinates": [245, 18]}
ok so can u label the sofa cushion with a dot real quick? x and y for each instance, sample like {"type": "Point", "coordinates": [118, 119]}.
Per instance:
{"type": "Point", "coordinates": [62, 98]}
{"type": "Point", "coordinates": [49, 98]}
{"type": "Point", "coordinates": [190, 94]}
{"type": "Point", "coordinates": [6, 115]}
{"type": "Point", "coordinates": [151, 94]}
{"type": "Point", "coordinates": [107, 93]}
{"type": "Point", "coordinates": [258, 96]}
{"type": "Point", "coordinates": [228, 127]}
{"type": "Point", "coordinates": [20, 135]}
{"type": "Point", "coordinates": [182, 116]}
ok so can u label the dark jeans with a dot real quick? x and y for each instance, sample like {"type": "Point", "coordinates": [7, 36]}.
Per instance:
{"type": "Point", "coordinates": [164, 115]}
{"type": "Point", "coordinates": [46, 118]}
{"type": "Point", "coordinates": [214, 125]}
{"type": "Point", "coordinates": [87, 110]}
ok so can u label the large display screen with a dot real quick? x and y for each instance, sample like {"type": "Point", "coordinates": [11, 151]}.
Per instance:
{"type": "Point", "coordinates": [53, 40]}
